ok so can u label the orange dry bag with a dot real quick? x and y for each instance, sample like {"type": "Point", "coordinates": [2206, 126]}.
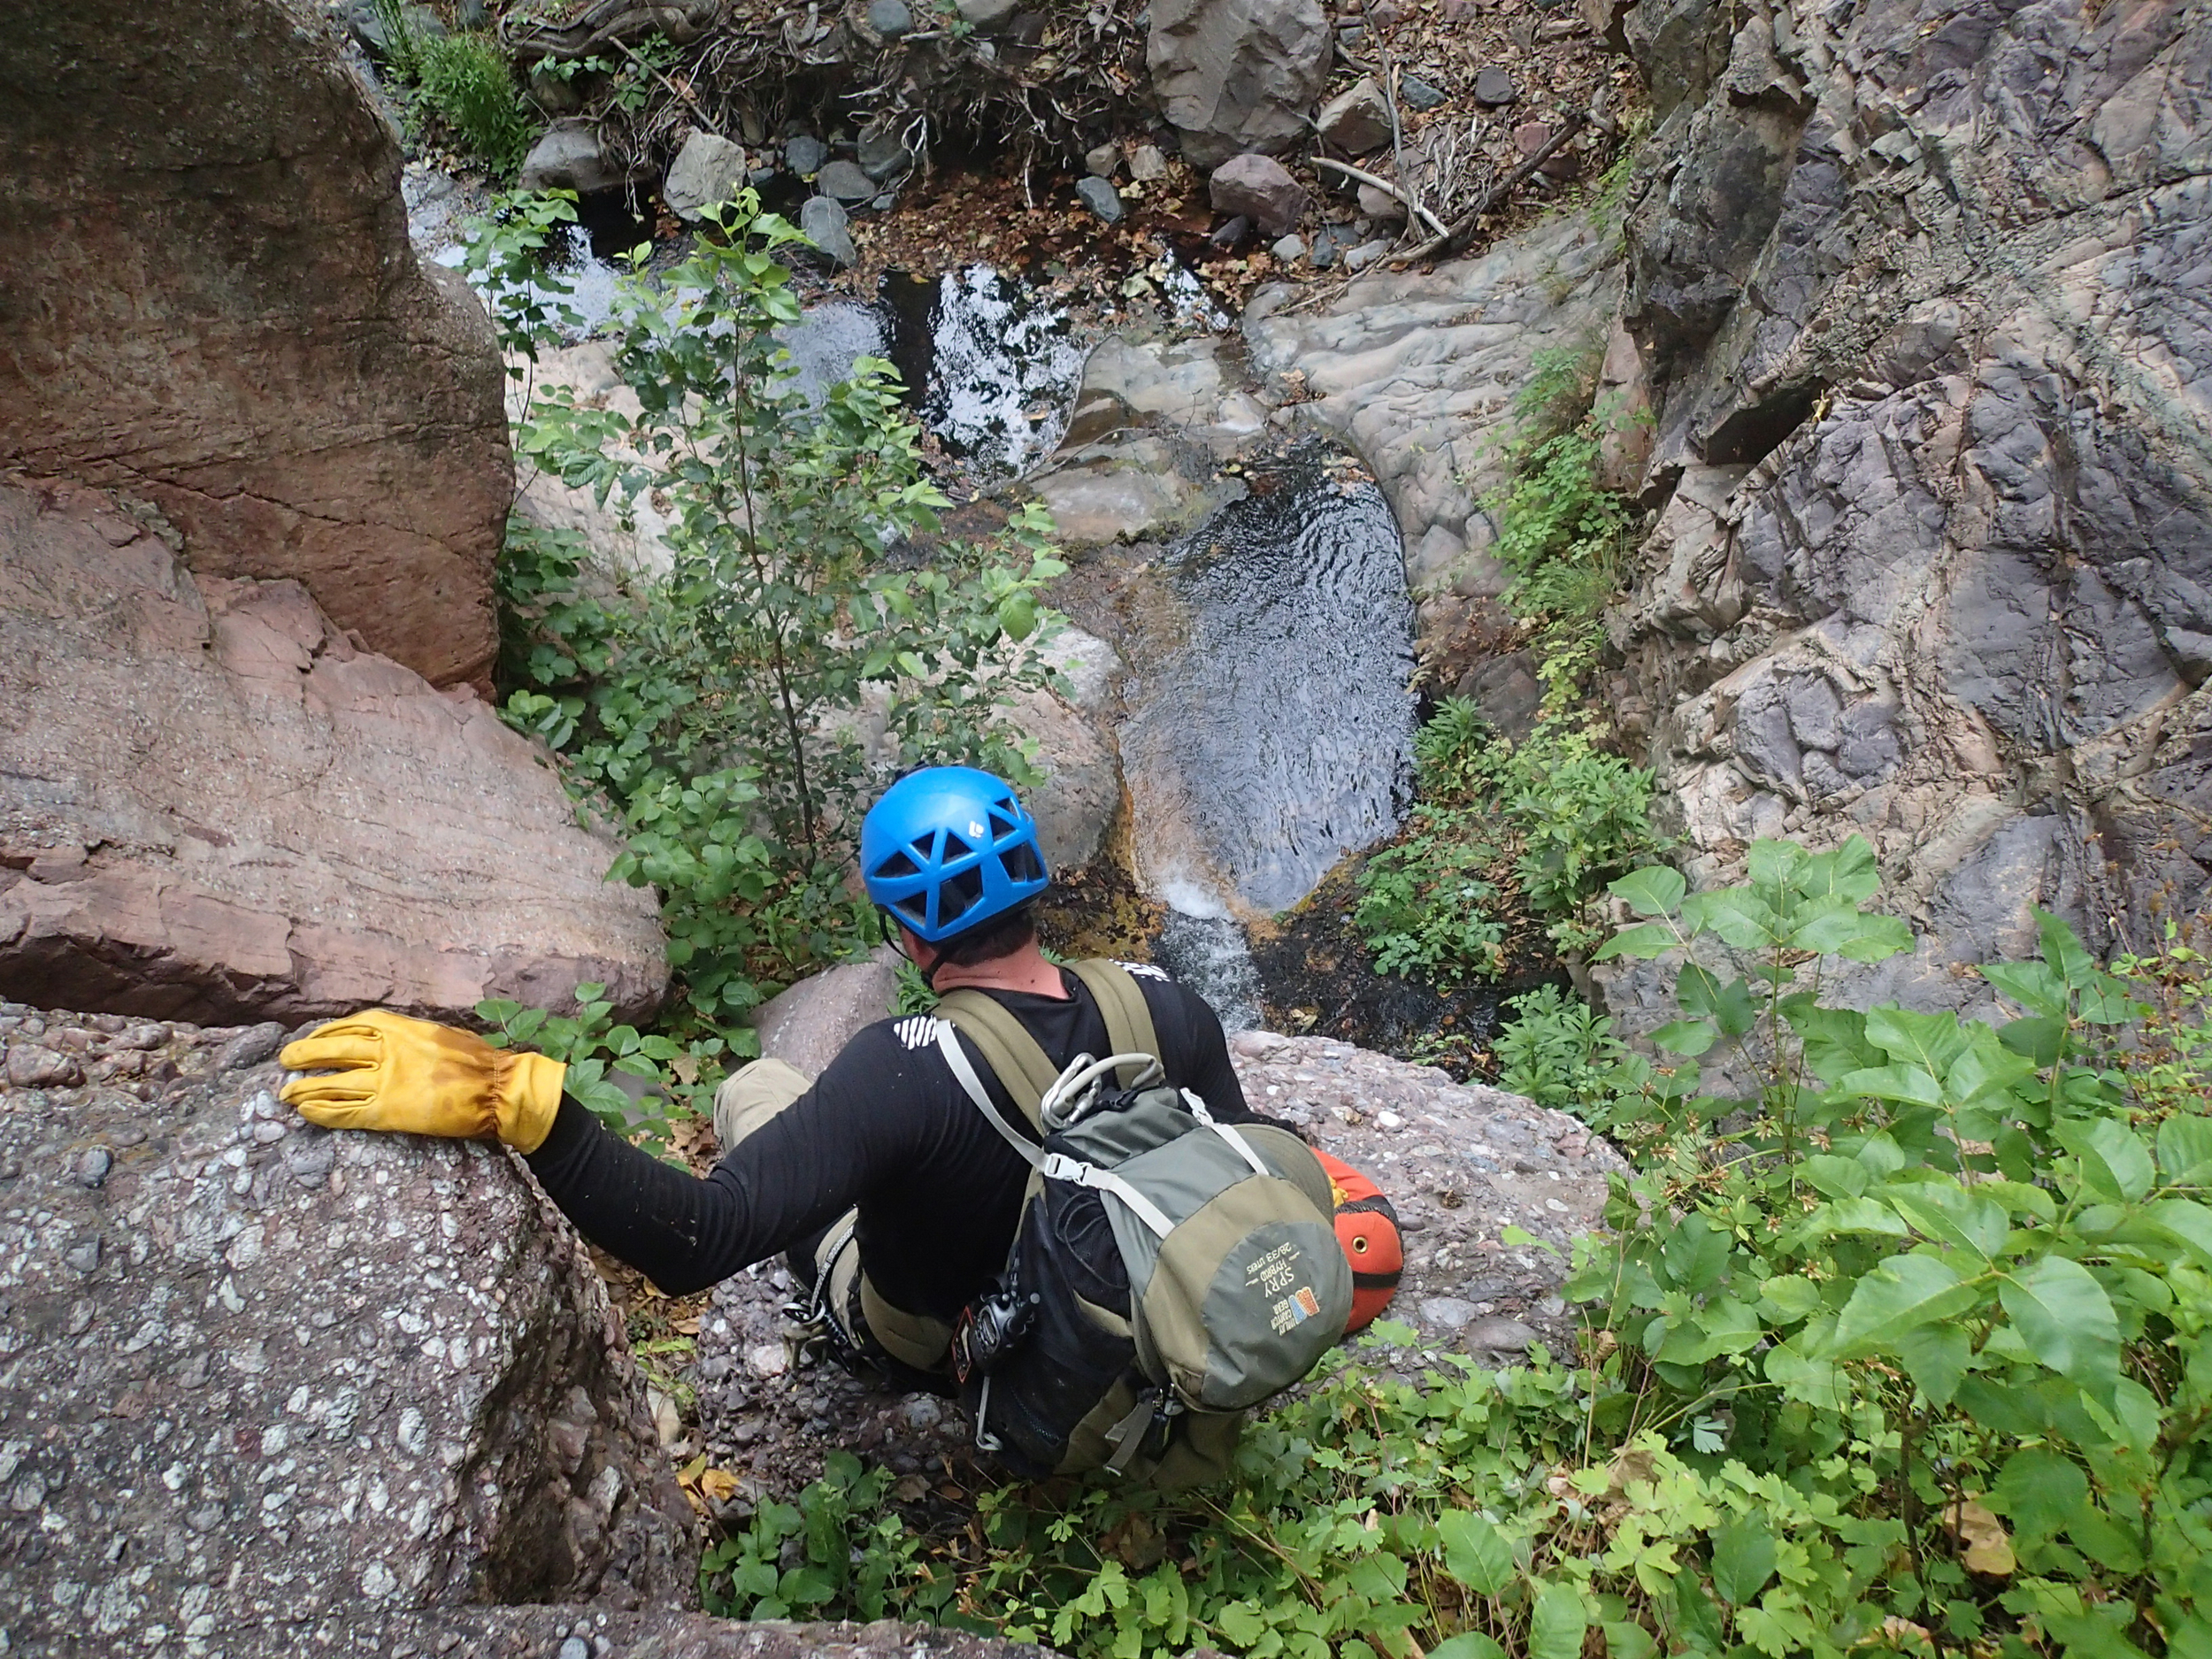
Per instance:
{"type": "Point", "coordinates": [1367, 1227]}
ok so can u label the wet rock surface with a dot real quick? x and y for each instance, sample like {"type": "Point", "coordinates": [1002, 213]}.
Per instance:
{"type": "Point", "coordinates": [241, 335]}
{"type": "Point", "coordinates": [258, 1377]}
{"type": "Point", "coordinates": [1916, 306]}
{"type": "Point", "coordinates": [1460, 1163]}
{"type": "Point", "coordinates": [214, 805]}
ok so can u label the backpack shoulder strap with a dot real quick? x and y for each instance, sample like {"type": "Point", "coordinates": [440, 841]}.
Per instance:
{"type": "Point", "coordinates": [1015, 1058]}
{"type": "Point", "coordinates": [1128, 1016]}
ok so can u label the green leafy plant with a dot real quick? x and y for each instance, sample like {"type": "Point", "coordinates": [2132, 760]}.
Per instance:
{"type": "Point", "coordinates": [1544, 822]}
{"type": "Point", "coordinates": [1904, 1351]}
{"type": "Point", "coordinates": [463, 82]}
{"type": "Point", "coordinates": [682, 1073]}
{"type": "Point", "coordinates": [845, 1548]}
{"type": "Point", "coordinates": [736, 709]}
{"type": "Point", "coordinates": [1562, 1053]}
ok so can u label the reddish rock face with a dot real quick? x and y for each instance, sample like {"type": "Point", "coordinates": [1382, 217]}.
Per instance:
{"type": "Point", "coordinates": [208, 301]}
{"type": "Point", "coordinates": [215, 805]}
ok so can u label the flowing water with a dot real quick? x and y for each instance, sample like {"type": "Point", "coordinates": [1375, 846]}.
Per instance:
{"type": "Point", "coordinates": [1270, 725]}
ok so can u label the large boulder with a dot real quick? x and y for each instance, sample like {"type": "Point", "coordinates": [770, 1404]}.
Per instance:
{"type": "Point", "coordinates": [271, 1390]}
{"type": "Point", "coordinates": [210, 303]}
{"type": "Point", "coordinates": [1460, 1163]}
{"type": "Point", "coordinates": [1236, 75]}
{"type": "Point", "coordinates": [1935, 543]}
{"type": "Point", "coordinates": [259, 1374]}
{"type": "Point", "coordinates": [214, 804]}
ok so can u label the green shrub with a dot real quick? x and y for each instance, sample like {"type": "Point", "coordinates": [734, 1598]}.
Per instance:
{"type": "Point", "coordinates": [463, 82]}
{"type": "Point", "coordinates": [1561, 1053]}
{"type": "Point", "coordinates": [715, 709]}
{"type": "Point", "coordinates": [1907, 1352]}
{"type": "Point", "coordinates": [1551, 818]}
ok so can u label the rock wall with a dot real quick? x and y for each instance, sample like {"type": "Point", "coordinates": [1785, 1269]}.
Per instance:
{"type": "Point", "coordinates": [1919, 294]}
{"type": "Point", "coordinates": [208, 301]}
{"type": "Point", "coordinates": [214, 805]}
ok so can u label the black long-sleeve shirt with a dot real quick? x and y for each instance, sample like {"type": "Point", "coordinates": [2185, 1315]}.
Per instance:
{"type": "Point", "coordinates": [885, 1127]}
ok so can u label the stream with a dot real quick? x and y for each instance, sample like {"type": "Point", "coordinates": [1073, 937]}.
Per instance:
{"type": "Point", "coordinates": [1265, 724]}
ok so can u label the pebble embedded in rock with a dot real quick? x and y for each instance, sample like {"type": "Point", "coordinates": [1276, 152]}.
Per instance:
{"type": "Point", "coordinates": [825, 222]}
{"type": "Point", "coordinates": [805, 155]}
{"type": "Point", "coordinates": [889, 18]}
{"type": "Point", "coordinates": [1101, 197]}
{"type": "Point", "coordinates": [84, 1258]}
{"type": "Point", "coordinates": [1448, 1313]}
{"type": "Point", "coordinates": [846, 181]}
{"type": "Point", "coordinates": [33, 1065]}
{"type": "Point", "coordinates": [575, 1648]}
{"type": "Point", "coordinates": [1495, 86]}
{"type": "Point", "coordinates": [1102, 161]}
{"type": "Point", "coordinates": [92, 1167]}
{"type": "Point", "coordinates": [249, 1047]}
{"type": "Point", "coordinates": [1419, 94]}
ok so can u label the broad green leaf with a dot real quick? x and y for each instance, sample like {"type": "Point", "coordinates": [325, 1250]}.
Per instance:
{"type": "Point", "coordinates": [1815, 1381]}
{"type": "Point", "coordinates": [2035, 985]}
{"type": "Point", "coordinates": [1906, 1085]}
{"type": "Point", "coordinates": [1953, 1215]}
{"type": "Point", "coordinates": [1735, 915]}
{"type": "Point", "coordinates": [1469, 1644]}
{"type": "Point", "coordinates": [1901, 1294]}
{"type": "Point", "coordinates": [1700, 994]}
{"type": "Point", "coordinates": [1936, 1357]}
{"type": "Point", "coordinates": [1696, 1253]}
{"type": "Point", "coordinates": [1986, 1068]}
{"type": "Point", "coordinates": [1686, 1037]}
{"type": "Point", "coordinates": [2065, 1318]}
{"type": "Point", "coordinates": [1743, 1560]}
{"type": "Point", "coordinates": [1930, 1041]}
{"type": "Point", "coordinates": [1772, 863]}
{"type": "Point", "coordinates": [2020, 1199]}
{"type": "Point", "coordinates": [1622, 1641]}
{"type": "Point", "coordinates": [1837, 927]}
{"type": "Point", "coordinates": [1836, 1178]}
{"type": "Point", "coordinates": [1642, 942]}
{"type": "Point", "coordinates": [1857, 1214]}
{"type": "Point", "coordinates": [2114, 1548]}
{"type": "Point", "coordinates": [2187, 1222]}
{"type": "Point", "coordinates": [2185, 1149]}
{"type": "Point", "coordinates": [1789, 1297]}
{"type": "Point", "coordinates": [1880, 938]}
{"type": "Point", "coordinates": [1834, 1038]}
{"type": "Point", "coordinates": [1654, 890]}
{"type": "Point", "coordinates": [1557, 1623]}
{"type": "Point", "coordinates": [1848, 871]}
{"type": "Point", "coordinates": [2040, 1489]}
{"type": "Point", "coordinates": [2114, 1161]}
{"type": "Point", "coordinates": [1476, 1554]}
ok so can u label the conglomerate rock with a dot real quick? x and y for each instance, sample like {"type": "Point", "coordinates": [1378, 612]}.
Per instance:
{"type": "Point", "coordinates": [255, 1375]}
{"type": "Point", "coordinates": [1931, 363]}
{"type": "Point", "coordinates": [214, 805]}
{"type": "Point", "coordinates": [210, 303]}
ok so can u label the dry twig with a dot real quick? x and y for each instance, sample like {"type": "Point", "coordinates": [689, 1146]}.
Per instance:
{"type": "Point", "coordinates": [1462, 232]}
{"type": "Point", "coordinates": [1388, 188]}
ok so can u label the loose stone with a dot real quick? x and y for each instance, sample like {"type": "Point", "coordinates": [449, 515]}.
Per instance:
{"type": "Point", "coordinates": [1495, 86]}
{"type": "Point", "coordinates": [1101, 197]}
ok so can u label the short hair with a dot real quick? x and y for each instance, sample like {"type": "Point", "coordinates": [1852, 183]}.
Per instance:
{"type": "Point", "coordinates": [998, 936]}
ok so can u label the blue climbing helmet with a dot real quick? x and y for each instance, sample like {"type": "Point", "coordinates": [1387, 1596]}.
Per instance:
{"type": "Point", "coordinates": [948, 847]}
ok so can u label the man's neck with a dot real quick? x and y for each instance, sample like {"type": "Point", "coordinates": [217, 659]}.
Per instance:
{"type": "Point", "coordinates": [1027, 970]}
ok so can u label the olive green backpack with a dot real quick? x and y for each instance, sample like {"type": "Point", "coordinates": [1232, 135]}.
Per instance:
{"type": "Point", "coordinates": [1169, 1272]}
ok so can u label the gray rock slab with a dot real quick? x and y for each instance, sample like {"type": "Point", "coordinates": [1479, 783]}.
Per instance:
{"type": "Point", "coordinates": [805, 154]}
{"type": "Point", "coordinates": [322, 1377]}
{"type": "Point", "coordinates": [845, 180]}
{"type": "Point", "coordinates": [1237, 75]}
{"type": "Point", "coordinates": [824, 219]}
{"type": "Point", "coordinates": [1101, 197]}
{"type": "Point", "coordinates": [807, 1025]}
{"type": "Point", "coordinates": [1420, 94]}
{"type": "Point", "coordinates": [1357, 119]}
{"type": "Point", "coordinates": [708, 169]}
{"type": "Point", "coordinates": [1418, 372]}
{"type": "Point", "coordinates": [570, 156]}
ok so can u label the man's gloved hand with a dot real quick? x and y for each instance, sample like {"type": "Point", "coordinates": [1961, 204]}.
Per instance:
{"type": "Point", "coordinates": [388, 1072]}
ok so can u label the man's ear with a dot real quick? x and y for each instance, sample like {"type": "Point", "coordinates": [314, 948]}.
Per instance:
{"type": "Point", "coordinates": [920, 953]}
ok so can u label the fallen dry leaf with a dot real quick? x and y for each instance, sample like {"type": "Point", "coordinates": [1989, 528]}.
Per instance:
{"type": "Point", "coordinates": [1988, 1549]}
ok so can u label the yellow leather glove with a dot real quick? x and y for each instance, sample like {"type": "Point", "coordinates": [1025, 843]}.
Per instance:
{"type": "Point", "coordinates": [384, 1070]}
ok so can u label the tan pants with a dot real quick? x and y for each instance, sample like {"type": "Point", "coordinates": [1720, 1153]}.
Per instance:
{"type": "Point", "coordinates": [747, 1103]}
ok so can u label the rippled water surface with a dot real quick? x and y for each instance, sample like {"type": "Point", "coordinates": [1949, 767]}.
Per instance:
{"type": "Point", "coordinates": [1271, 727]}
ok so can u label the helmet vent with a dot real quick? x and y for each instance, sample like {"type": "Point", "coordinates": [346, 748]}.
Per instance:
{"type": "Point", "coordinates": [959, 894]}
{"type": "Point", "coordinates": [898, 865]}
{"type": "Point", "coordinates": [1000, 828]}
{"type": "Point", "coordinates": [1022, 863]}
{"type": "Point", "coordinates": [955, 848]}
{"type": "Point", "coordinates": [914, 911]}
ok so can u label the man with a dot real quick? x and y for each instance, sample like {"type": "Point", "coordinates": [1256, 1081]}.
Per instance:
{"type": "Point", "coordinates": [894, 1196]}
